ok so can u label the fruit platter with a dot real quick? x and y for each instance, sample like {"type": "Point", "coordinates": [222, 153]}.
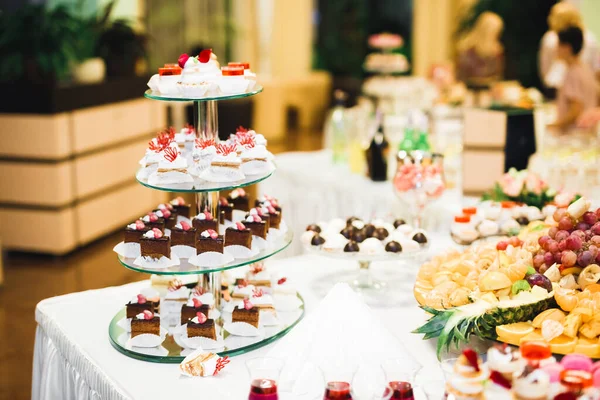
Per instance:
{"type": "Point", "coordinates": [541, 285]}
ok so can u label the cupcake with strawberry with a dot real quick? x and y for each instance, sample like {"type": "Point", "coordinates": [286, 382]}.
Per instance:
{"type": "Point", "coordinates": [200, 74]}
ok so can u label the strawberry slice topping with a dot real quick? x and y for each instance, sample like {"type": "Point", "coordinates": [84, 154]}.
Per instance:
{"type": "Point", "coordinates": [182, 60]}
{"type": "Point", "coordinates": [157, 233]}
{"type": "Point", "coordinates": [139, 225]}
{"type": "Point", "coordinates": [197, 302]}
{"type": "Point", "coordinates": [500, 380]}
{"type": "Point", "coordinates": [185, 226]}
{"type": "Point", "coordinates": [247, 304]}
{"type": "Point", "coordinates": [472, 358]}
{"type": "Point", "coordinates": [204, 56]}
{"type": "Point", "coordinates": [201, 317]}
{"type": "Point", "coordinates": [282, 281]}
{"type": "Point", "coordinates": [240, 226]}
{"type": "Point", "coordinates": [148, 314]}
{"type": "Point", "coordinates": [141, 299]}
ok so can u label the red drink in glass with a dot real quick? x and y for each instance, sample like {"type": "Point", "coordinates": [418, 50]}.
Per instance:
{"type": "Point", "coordinates": [263, 389]}
{"type": "Point", "coordinates": [401, 390]}
{"type": "Point", "coordinates": [337, 391]}
{"type": "Point", "coordinates": [534, 352]}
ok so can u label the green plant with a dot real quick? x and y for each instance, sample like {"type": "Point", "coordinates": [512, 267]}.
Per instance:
{"type": "Point", "coordinates": [121, 47]}
{"type": "Point", "coordinates": [37, 44]}
{"type": "Point", "coordinates": [90, 29]}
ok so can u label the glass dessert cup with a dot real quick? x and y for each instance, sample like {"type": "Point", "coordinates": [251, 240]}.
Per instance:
{"type": "Point", "coordinates": [338, 378]}
{"type": "Point", "coordinates": [418, 181]}
{"type": "Point", "coordinates": [264, 374]}
{"type": "Point", "coordinates": [400, 375]}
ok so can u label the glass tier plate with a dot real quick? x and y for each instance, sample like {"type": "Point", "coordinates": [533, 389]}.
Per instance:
{"type": "Point", "coordinates": [200, 185]}
{"type": "Point", "coordinates": [362, 257]}
{"type": "Point", "coordinates": [169, 352]}
{"type": "Point", "coordinates": [157, 96]}
{"type": "Point", "coordinates": [185, 268]}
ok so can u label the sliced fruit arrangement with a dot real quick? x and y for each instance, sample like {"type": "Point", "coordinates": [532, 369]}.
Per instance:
{"type": "Point", "coordinates": [543, 286]}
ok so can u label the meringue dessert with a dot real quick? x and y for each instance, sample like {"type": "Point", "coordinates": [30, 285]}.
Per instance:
{"type": "Point", "coordinates": [199, 75]}
{"type": "Point", "coordinates": [225, 166]}
{"type": "Point", "coordinates": [173, 169]}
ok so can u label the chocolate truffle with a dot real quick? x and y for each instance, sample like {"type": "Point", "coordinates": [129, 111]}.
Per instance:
{"type": "Point", "coordinates": [359, 236]}
{"type": "Point", "coordinates": [314, 228]}
{"type": "Point", "coordinates": [420, 238]}
{"type": "Point", "coordinates": [523, 220]}
{"type": "Point", "coordinates": [347, 232]}
{"type": "Point", "coordinates": [317, 240]}
{"type": "Point", "coordinates": [369, 230]}
{"type": "Point", "coordinates": [380, 233]}
{"type": "Point", "coordinates": [351, 247]}
{"type": "Point", "coordinates": [393, 247]}
{"type": "Point", "coordinates": [399, 222]}
{"type": "Point", "coordinates": [350, 220]}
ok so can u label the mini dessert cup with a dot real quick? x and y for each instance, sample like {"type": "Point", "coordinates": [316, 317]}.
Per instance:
{"type": "Point", "coordinates": [233, 81]}
{"type": "Point", "coordinates": [193, 90]}
{"type": "Point", "coordinates": [264, 375]}
{"type": "Point", "coordinates": [338, 376]}
{"type": "Point", "coordinates": [400, 375]}
{"type": "Point", "coordinates": [167, 85]}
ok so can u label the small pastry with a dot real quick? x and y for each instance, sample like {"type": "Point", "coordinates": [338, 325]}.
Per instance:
{"type": "Point", "coordinates": [351, 247]}
{"type": "Point", "coordinates": [199, 74]}
{"type": "Point", "coordinates": [511, 227]}
{"type": "Point", "coordinates": [232, 80]}
{"type": "Point", "coordinates": [225, 210]}
{"type": "Point", "coordinates": [335, 242]}
{"type": "Point", "coordinates": [202, 154]}
{"type": "Point", "coordinates": [180, 207]}
{"type": "Point", "coordinates": [380, 233]}
{"type": "Point", "coordinates": [239, 199]}
{"type": "Point", "coordinates": [154, 244]}
{"type": "Point", "coordinates": [531, 384]}
{"type": "Point", "coordinates": [172, 169]}
{"type": "Point", "coordinates": [238, 234]}
{"type": "Point", "coordinates": [372, 246]}
{"type": "Point", "coordinates": [393, 247]}
{"type": "Point", "coordinates": [420, 238]}
{"type": "Point", "coordinates": [204, 221]}
{"type": "Point", "coordinates": [306, 237]}
{"type": "Point", "coordinates": [488, 228]}
{"type": "Point", "coordinates": [145, 323]}
{"type": "Point", "coordinates": [201, 326]}
{"type": "Point", "coordinates": [225, 166]}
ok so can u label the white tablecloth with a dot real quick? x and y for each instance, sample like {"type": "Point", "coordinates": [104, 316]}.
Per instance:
{"type": "Point", "coordinates": [73, 358]}
{"type": "Point", "coordinates": [313, 189]}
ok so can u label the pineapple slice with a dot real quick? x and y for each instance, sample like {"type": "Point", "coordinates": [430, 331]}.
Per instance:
{"type": "Point", "coordinates": [490, 298]}
{"type": "Point", "coordinates": [494, 280]}
{"type": "Point", "coordinates": [551, 329]}
{"type": "Point", "coordinates": [508, 340]}
{"type": "Point", "coordinates": [420, 294]}
{"type": "Point", "coordinates": [552, 313]}
{"type": "Point", "coordinates": [563, 344]}
{"type": "Point", "coordinates": [589, 347]}
{"type": "Point", "coordinates": [535, 336]}
{"type": "Point", "coordinates": [553, 273]}
{"type": "Point", "coordinates": [423, 284]}
{"type": "Point", "coordinates": [585, 312]}
{"type": "Point", "coordinates": [572, 324]}
{"type": "Point", "coordinates": [514, 332]}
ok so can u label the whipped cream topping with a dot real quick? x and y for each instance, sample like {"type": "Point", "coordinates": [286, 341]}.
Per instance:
{"type": "Point", "coordinates": [209, 233]}
{"type": "Point", "coordinates": [256, 152]}
{"type": "Point", "coordinates": [532, 386]}
{"type": "Point", "coordinates": [178, 201]}
{"type": "Point", "coordinates": [253, 218]}
{"type": "Point", "coordinates": [182, 292]}
{"type": "Point", "coordinates": [231, 158]}
{"type": "Point", "coordinates": [504, 360]}
{"type": "Point", "coordinates": [150, 234]}
{"type": "Point", "coordinates": [237, 193]}
{"type": "Point", "coordinates": [178, 163]}
{"type": "Point", "coordinates": [140, 316]}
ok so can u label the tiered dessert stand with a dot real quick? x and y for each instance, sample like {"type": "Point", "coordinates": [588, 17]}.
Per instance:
{"type": "Point", "coordinates": [206, 197]}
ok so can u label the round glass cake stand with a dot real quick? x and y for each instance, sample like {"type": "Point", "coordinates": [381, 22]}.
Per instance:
{"type": "Point", "coordinates": [169, 352]}
{"type": "Point", "coordinates": [185, 268]}
{"type": "Point", "coordinates": [388, 284]}
{"type": "Point", "coordinates": [200, 186]}
{"type": "Point", "coordinates": [157, 96]}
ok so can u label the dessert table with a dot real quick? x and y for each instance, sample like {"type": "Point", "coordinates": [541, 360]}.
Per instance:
{"type": "Point", "coordinates": [313, 189]}
{"type": "Point", "coordinates": [73, 358]}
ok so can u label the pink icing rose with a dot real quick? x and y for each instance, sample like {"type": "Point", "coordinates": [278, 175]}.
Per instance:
{"type": "Point", "coordinates": [511, 185]}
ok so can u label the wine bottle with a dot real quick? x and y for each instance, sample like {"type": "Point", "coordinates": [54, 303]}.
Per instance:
{"type": "Point", "coordinates": [377, 156]}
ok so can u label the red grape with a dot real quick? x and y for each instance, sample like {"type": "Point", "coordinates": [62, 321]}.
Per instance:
{"type": "Point", "coordinates": [539, 280]}
{"type": "Point", "coordinates": [558, 214]}
{"type": "Point", "coordinates": [561, 235]}
{"type": "Point", "coordinates": [557, 257]}
{"type": "Point", "coordinates": [573, 242]}
{"type": "Point", "coordinates": [598, 258]}
{"type": "Point", "coordinates": [568, 258]}
{"type": "Point", "coordinates": [548, 259]}
{"type": "Point", "coordinates": [585, 259]}
{"type": "Point", "coordinates": [595, 240]}
{"type": "Point", "coordinates": [562, 246]}
{"type": "Point", "coordinates": [565, 223]}
{"type": "Point", "coordinates": [552, 232]}
{"type": "Point", "coordinates": [594, 250]}
{"type": "Point", "coordinates": [501, 245]}
{"type": "Point", "coordinates": [543, 241]}
{"type": "Point", "coordinates": [598, 213]}
{"type": "Point", "coordinates": [580, 234]}
{"type": "Point", "coordinates": [582, 226]}
{"type": "Point", "coordinates": [538, 261]}
{"type": "Point", "coordinates": [588, 234]}
{"type": "Point", "coordinates": [596, 228]}
{"type": "Point", "coordinates": [515, 241]}
{"type": "Point", "coordinates": [590, 218]}
{"type": "Point", "coordinates": [553, 246]}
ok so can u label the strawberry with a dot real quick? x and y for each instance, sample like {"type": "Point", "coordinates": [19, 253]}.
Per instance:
{"type": "Point", "coordinates": [213, 234]}
{"type": "Point", "coordinates": [139, 225]}
{"type": "Point", "coordinates": [182, 60]}
{"type": "Point", "coordinates": [204, 56]}
{"type": "Point", "coordinates": [208, 216]}
{"type": "Point", "coordinates": [185, 226]}
{"type": "Point", "coordinates": [157, 233]}
{"type": "Point", "coordinates": [500, 380]}
{"type": "Point", "coordinates": [148, 314]}
{"type": "Point", "coordinates": [472, 358]}
{"type": "Point", "coordinates": [166, 213]}
{"type": "Point", "coordinates": [282, 281]}
{"type": "Point", "coordinates": [153, 217]}
{"type": "Point", "coordinates": [201, 317]}
{"type": "Point", "coordinates": [141, 299]}
{"type": "Point", "coordinates": [242, 283]}
{"type": "Point", "coordinates": [248, 305]}
{"type": "Point", "coordinates": [197, 302]}
{"type": "Point", "coordinates": [240, 226]}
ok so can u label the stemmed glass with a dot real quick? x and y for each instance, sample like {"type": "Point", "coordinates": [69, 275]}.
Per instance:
{"type": "Point", "coordinates": [419, 179]}
{"type": "Point", "coordinates": [400, 375]}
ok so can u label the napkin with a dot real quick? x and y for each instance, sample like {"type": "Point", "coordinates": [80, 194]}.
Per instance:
{"type": "Point", "coordinates": [341, 333]}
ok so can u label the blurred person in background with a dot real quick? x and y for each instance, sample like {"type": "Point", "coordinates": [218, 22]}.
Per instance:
{"type": "Point", "coordinates": [551, 68]}
{"type": "Point", "coordinates": [578, 92]}
{"type": "Point", "coordinates": [480, 52]}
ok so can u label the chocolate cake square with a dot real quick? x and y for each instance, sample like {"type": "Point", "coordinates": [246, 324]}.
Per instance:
{"type": "Point", "coordinates": [156, 248]}
{"type": "Point", "coordinates": [258, 228]}
{"type": "Point", "coordinates": [240, 237]}
{"type": "Point", "coordinates": [189, 312]}
{"type": "Point", "coordinates": [205, 244]}
{"type": "Point", "coordinates": [180, 207]}
{"type": "Point", "coordinates": [142, 326]}
{"type": "Point", "coordinates": [181, 237]}
{"type": "Point", "coordinates": [133, 235]}
{"type": "Point", "coordinates": [159, 223]}
{"type": "Point", "coordinates": [239, 199]}
{"type": "Point", "coordinates": [250, 316]}
{"type": "Point", "coordinates": [202, 225]}
{"type": "Point", "coordinates": [225, 210]}
{"type": "Point", "coordinates": [133, 309]}
{"type": "Point", "coordinates": [274, 219]}
{"type": "Point", "coordinates": [207, 329]}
